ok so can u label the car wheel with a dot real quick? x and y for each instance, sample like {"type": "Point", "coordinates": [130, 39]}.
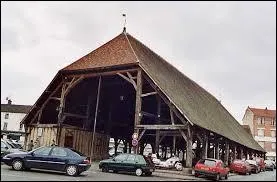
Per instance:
{"type": "Point", "coordinates": [217, 178]}
{"type": "Point", "coordinates": [115, 171]}
{"type": "Point", "coordinates": [105, 169]}
{"type": "Point", "coordinates": [71, 170]}
{"type": "Point", "coordinates": [17, 164]}
{"type": "Point", "coordinates": [138, 171]}
{"type": "Point", "coordinates": [226, 176]}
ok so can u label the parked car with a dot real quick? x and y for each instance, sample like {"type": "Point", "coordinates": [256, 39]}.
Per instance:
{"type": "Point", "coordinates": [129, 163]}
{"type": "Point", "coordinates": [255, 168]}
{"type": "Point", "coordinates": [240, 166]}
{"type": "Point", "coordinates": [211, 167]}
{"type": "Point", "coordinates": [63, 159]}
{"type": "Point", "coordinates": [7, 148]}
{"type": "Point", "coordinates": [155, 159]}
{"type": "Point", "coordinates": [169, 163]}
{"type": "Point", "coordinates": [261, 163]}
{"type": "Point", "coordinates": [269, 165]}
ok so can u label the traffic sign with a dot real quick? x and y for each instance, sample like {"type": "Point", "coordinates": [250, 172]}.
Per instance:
{"type": "Point", "coordinates": [135, 136]}
{"type": "Point", "coordinates": [134, 142]}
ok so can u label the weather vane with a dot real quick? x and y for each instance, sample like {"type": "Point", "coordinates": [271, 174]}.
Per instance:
{"type": "Point", "coordinates": [124, 28]}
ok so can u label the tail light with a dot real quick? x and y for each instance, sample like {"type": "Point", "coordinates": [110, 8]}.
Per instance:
{"type": "Point", "coordinates": [86, 161]}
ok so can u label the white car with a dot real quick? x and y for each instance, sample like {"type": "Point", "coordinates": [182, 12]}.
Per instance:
{"type": "Point", "coordinates": [169, 163]}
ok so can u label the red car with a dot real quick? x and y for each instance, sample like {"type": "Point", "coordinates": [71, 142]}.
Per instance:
{"type": "Point", "coordinates": [211, 167]}
{"type": "Point", "coordinates": [261, 163]}
{"type": "Point", "coordinates": [240, 166]}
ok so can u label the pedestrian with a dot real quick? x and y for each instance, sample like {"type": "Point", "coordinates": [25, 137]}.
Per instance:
{"type": "Point", "coordinates": [53, 143]}
{"type": "Point", "coordinates": [30, 146]}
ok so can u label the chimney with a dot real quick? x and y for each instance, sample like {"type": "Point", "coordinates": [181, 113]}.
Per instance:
{"type": "Point", "coordinates": [9, 101]}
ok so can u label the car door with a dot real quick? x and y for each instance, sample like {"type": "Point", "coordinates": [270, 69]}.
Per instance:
{"type": "Point", "coordinates": [58, 159]}
{"type": "Point", "coordinates": [39, 158]}
{"type": "Point", "coordinates": [4, 149]}
{"type": "Point", "coordinates": [118, 162]}
{"type": "Point", "coordinates": [129, 163]}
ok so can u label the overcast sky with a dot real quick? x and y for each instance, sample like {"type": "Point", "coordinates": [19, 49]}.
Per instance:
{"type": "Point", "coordinates": [229, 48]}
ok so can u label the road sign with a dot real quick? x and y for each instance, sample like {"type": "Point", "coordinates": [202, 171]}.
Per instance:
{"type": "Point", "coordinates": [135, 136]}
{"type": "Point", "coordinates": [134, 142]}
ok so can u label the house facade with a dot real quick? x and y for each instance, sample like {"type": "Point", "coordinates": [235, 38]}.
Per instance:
{"type": "Point", "coordinates": [11, 116]}
{"type": "Point", "coordinates": [262, 123]}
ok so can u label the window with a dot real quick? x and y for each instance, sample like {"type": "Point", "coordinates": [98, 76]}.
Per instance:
{"type": "Point", "coordinates": [3, 145]}
{"type": "Point", "coordinates": [260, 120]}
{"type": "Point", "coordinates": [273, 122]}
{"type": "Point", "coordinates": [121, 157]}
{"type": "Point", "coordinates": [273, 146]}
{"type": "Point", "coordinates": [209, 163]}
{"type": "Point", "coordinates": [57, 151]}
{"type": "Point", "coordinates": [273, 133]}
{"type": "Point", "coordinates": [42, 151]}
{"type": "Point", "coordinates": [20, 127]}
{"type": "Point", "coordinates": [7, 116]}
{"type": "Point", "coordinates": [261, 144]}
{"type": "Point", "coordinates": [260, 132]}
{"type": "Point", "coordinates": [131, 158]}
{"type": "Point", "coordinates": [5, 126]}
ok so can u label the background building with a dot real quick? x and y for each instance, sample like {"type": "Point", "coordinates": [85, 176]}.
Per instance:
{"type": "Point", "coordinates": [11, 116]}
{"type": "Point", "coordinates": [262, 123]}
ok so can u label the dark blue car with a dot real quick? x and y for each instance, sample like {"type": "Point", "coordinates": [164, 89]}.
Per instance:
{"type": "Point", "coordinates": [55, 158]}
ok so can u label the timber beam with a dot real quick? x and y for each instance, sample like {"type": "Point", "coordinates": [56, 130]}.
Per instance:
{"type": "Point", "coordinates": [161, 127]}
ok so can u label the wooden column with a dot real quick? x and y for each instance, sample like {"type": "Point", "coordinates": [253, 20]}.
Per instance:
{"type": "Point", "coordinates": [138, 105]}
{"type": "Point", "coordinates": [158, 131]}
{"type": "Point", "coordinates": [60, 114]}
{"type": "Point", "coordinates": [205, 146]}
{"type": "Point", "coordinates": [217, 150]}
{"type": "Point", "coordinates": [174, 145]}
{"type": "Point", "coordinates": [188, 139]}
{"type": "Point", "coordinates": [241, 152]}
{"type": "Point", "coordinates": [235, 151]}
{"type": "Point", "coordinates": [226, 152]}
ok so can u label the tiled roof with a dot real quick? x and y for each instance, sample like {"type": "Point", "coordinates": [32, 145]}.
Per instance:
{"type": "Point", "coordinates": [15, 108]}
{"type": "Point", "coordinates": [263, 112]}
{"type": "Point", "coordinates": [115, 52]}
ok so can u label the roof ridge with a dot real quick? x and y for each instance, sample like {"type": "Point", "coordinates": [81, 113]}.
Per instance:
{"type": "Point", "coordinates": [131, 46]}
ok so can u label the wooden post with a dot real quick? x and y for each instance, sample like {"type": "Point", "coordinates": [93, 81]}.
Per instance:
{"type": "Point", "coordinates": [235, 151]}
{"type": "Point", "coordinates": [217, 150]}
{"type": "Point", "coordinates": [174, 145]}
{"type": "Point", "coordinates": [158, 131]}
{"type": "Point", "coordinates": [138, 104]}
{"type": "Point", "coordinates": [60, 114]}
{"type": "Point", "coordinates": [205, 146]}
{"type": "Point", "coordinates": [95, 116]}
{"type": "Point", "coordinates": [241, 152]}
{"type": "Point", "coordinates": [188, 140]}
{"type": "Point", "coordinates": [227, 150]}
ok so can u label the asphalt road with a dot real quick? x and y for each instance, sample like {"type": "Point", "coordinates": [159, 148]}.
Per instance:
{"type": "Point", "coordinates": [7, 174]}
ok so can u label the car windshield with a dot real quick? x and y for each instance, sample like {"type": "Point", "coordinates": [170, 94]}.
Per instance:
{"type": "Point", "coordinates": [207, 162]}
{"type": "Point", "coordinates": [11, 144]}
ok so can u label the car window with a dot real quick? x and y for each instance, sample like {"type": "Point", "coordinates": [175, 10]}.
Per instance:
{"type": "Point", "coordinates": [131, 158]}
{"type": "Point", "coordinates": [3, 145]}
{"type": "Point", "coordinates": [77, 152]}
{"type": "Point", "coordinates": [121, 157]}
{"type": "Point", "coordinates": [57, 151]}
{"type": "Point", "coordinates": [209, 163]}
{"type": "Point", "coordinates": [140, 159]}
{"type": "Point", "coordinates": [42, 151]}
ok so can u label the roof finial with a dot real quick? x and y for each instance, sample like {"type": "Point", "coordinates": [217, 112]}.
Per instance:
{"type": "Point", "coordinates": [124, 28]}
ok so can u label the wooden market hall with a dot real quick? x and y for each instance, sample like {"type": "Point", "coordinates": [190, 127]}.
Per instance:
{"type": "Point", "coordinates": [122, 88]}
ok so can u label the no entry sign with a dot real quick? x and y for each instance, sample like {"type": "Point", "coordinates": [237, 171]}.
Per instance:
{"type": "Point", "coordinates": [134, 142]}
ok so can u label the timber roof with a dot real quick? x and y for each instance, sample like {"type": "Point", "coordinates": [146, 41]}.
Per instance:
{"type": "Point", "coordinates": [194, 102]}
{"type": "Point", "coordinates": [263, 112]}
{"type": "Point", "coordinates": [13, 108]}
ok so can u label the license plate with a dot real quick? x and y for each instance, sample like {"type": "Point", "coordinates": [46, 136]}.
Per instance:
{"type": "Point", "coordinates": [151, 170]}
{"type": "Point", "coordinates": [204, 168]}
